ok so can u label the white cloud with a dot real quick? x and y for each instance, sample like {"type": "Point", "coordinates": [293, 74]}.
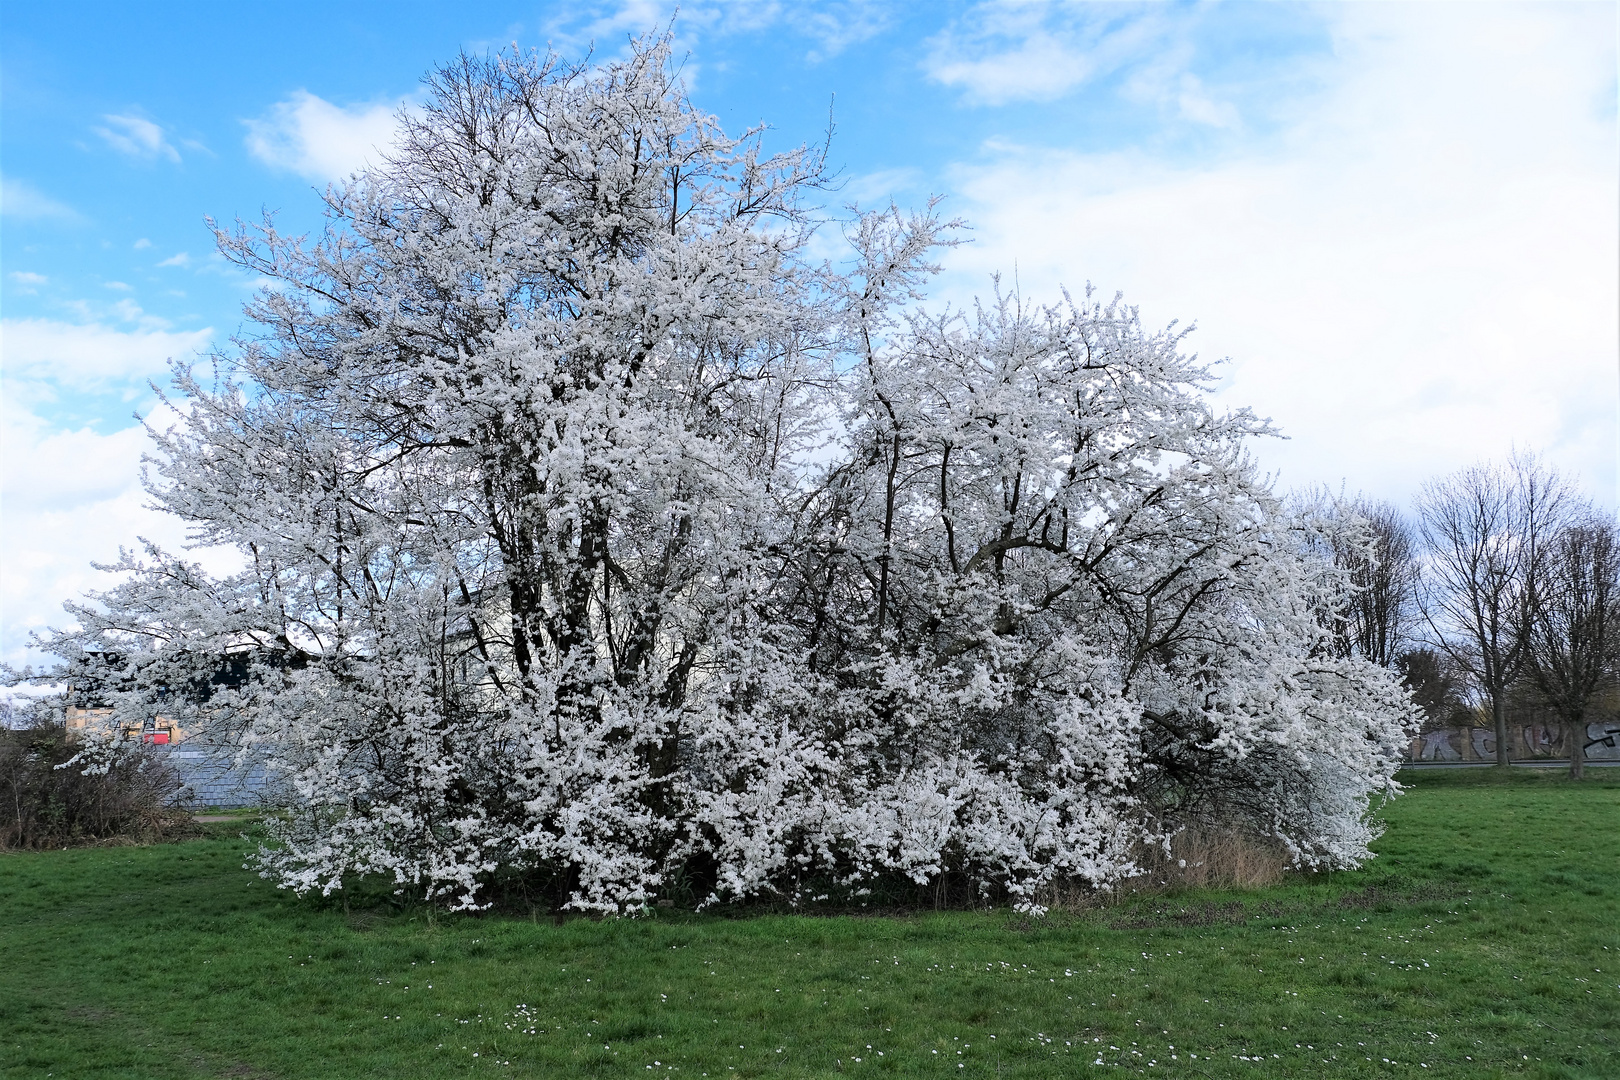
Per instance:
{"type": "Point", "coordinates": [831, 26]}
{"type": "Point", "coordinates": [51, 470]}
{"type": "Point", "coordinates": [606, 23]}
{"type": "Point", "coordinates": [19, 199]}
{"type": "Point", "coordinates": [136, 136]}
{"type": "Point", "coordinates": [1417, 272]}
{"type": "Point", "coordinates": [27, 280]}
{"type": "Point", "coordinates": [71, 497]}
{"type": "Point", "coordinates": [1197, 105]}
{"type": "Point", "coordinates": [79, 493]}
{"type": "Point", "coordinates": [89, 356]}
{"type": "Point", "coordinates": [870, 189]}
{"type": "Point", "coordinates": [1024, 50]}
{"type": "Point", "coordinates": [142, 243]}
{"type": "Point", "coordinates": [177, 259]}
{"type": "Point", "coordinates": [310, 136]}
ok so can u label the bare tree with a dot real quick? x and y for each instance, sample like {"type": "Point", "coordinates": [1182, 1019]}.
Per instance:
{"type": "Point", "coordinates": [1576, 625]}
{"type": "Point", "coordinates": [1432, 678]}
{"type": "Point", "coordinates": [1384, 573]}
{"type": "Point", "coordinates": [1373, 546]}
{"type": "Point", "coordinates": [1485, 531]}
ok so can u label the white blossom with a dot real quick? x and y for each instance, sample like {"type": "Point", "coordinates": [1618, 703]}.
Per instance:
{"type": "Point", "coordinates": [596, 535]}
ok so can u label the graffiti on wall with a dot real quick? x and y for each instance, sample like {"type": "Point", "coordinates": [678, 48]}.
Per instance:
{"type": "Point", "coordinates": [1539, 740]}
{"type": "Point", "coordinates": [1603, 741]}
{"type": "Point", "coordinates": [1534, 740]}
{"type": "Point", "coordinates": [1437, 746]}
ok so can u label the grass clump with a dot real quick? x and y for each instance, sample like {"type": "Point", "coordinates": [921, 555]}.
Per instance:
{"type": "Point", "coordinates": [1481, 942]}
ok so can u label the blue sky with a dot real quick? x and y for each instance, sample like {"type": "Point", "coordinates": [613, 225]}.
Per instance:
{"type": "Point", "coordinates": [1398, 221]}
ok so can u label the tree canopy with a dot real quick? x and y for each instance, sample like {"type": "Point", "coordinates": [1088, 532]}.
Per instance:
{"type": "Point", "coordinates": [596, 533]}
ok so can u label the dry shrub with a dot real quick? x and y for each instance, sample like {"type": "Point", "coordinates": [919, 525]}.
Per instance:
{"type": "Point", "coordinates": [44, 806]}
{"type": "Point", "coordinates": [1206, 858]}
{"type": "Point", "coordinates": [1199, 858]}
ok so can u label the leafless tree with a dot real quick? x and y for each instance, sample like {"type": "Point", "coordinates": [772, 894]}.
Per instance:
{"type": "Point", "coordinates": [1372, 543]}
{"type": "Point", "coordinates": [1385, 575]}
{"type": "Point", "coordinates": [1486, 531]}
{"type": "Point", "coordinates": [1576, 627]}
{"type": "Point", "coordinates": [1432, 678]}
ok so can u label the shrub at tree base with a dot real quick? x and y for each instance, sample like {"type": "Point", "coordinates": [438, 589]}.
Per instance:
{"type": "Point", "coordinates": [599, 538]}
{"type": "Point", "coordinates": [53, 795]}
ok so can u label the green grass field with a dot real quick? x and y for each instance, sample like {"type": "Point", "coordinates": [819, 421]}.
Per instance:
{"type": "Point", "coordinates": [1483, 941]}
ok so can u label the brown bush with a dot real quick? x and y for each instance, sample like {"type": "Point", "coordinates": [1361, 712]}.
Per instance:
{"type": "Point", "coordinates": [1206, 858]}
{"type": "Point", "coordinates": [1199, 858]}
{"type": "Point", "coordinates": [44, 806]}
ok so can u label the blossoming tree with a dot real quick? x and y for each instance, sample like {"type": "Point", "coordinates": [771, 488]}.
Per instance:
{"type": "Point", "coordinates": [595, 534]}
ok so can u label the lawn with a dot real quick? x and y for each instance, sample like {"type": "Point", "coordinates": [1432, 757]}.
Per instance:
{"type": "Point", "coordinates": [1483, 941]}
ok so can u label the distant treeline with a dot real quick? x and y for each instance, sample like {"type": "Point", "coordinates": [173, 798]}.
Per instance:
{"type": "Point", "coordinates": [1498, 600]}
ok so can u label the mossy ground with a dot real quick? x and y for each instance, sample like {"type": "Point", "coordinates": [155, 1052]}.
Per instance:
{"type": "Point", "coordinates": [1483, 941]}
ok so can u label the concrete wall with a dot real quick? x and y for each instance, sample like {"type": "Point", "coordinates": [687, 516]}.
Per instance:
{"type": "Point", "coordinates": [214, 778]}
{"type": "Point", "coordinates": [1600, 741]}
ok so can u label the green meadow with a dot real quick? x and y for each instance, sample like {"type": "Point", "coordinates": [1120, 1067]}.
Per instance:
{"type": "Point", "coordinates": [1484, 940]}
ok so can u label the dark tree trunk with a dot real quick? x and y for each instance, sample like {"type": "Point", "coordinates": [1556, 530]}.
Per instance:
{"type": "Point", "coordinates": [1499, 715]}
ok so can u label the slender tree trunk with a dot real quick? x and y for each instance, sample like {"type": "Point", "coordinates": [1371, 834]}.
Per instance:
{"type": "Point", "coordinates": [1499, 714]}
{"type": "Point", "coordinates": [888, 532]}
{"type": "Point", "coordinates": [1575, 734]}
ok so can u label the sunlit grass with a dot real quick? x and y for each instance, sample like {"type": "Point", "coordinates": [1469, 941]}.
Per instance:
{"type": "Point", "coordinates": [1485, 940]}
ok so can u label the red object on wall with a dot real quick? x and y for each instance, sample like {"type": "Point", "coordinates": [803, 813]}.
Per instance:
{"type": "Point", "coordinates": [159, 737]}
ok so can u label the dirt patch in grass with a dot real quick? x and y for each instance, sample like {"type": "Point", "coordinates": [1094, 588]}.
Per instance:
{"type": "Point", "coordinates": [1206, 913]}
{"type": "Point", "coordinates": [237, 1071]}
{"type": "Point", "coordinates": [1391, 898]}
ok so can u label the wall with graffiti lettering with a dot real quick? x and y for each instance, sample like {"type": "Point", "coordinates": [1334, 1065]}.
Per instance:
{"type": "Point", "coordinates": [1600, 741]}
